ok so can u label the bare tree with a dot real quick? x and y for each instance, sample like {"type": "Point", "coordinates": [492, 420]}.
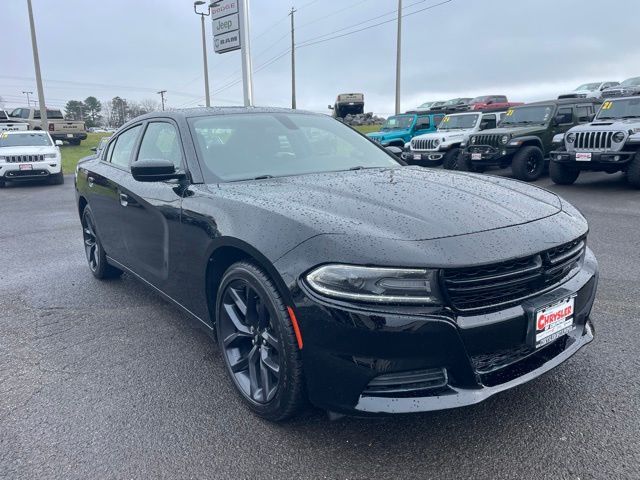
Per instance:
{"type": "Point", "coordinates": [149, 105]}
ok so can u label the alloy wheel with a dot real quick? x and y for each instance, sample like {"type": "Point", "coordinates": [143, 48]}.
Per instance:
{"type": "Point", "coordinates": [532, 163]}
{"type": "Point", "coordinates": [249, 341]}
{"type": "Point", "coordinates": [91, 245]}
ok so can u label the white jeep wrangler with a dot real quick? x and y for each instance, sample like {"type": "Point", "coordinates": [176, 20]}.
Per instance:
{"type": "Point", "coordinates": [443, 146]}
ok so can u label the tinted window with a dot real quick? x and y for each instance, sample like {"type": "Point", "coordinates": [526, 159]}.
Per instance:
{"type": "Point", "coordinates": [24, 113]}
{"type": "Point", "coordinates": [51, 114]}
{"type": "Point", "coordinates": [583, 112]}
{"type": "Point", "coordinates": [246, 146]}
{"type": "Point", "coordinates": [124, 146]}
{"type": "Point", "coordinates": [161, 141]}
{"type": "Point", "coordinates": [488, 121]}
{"type": "Point", "coordinates": [564, 115]}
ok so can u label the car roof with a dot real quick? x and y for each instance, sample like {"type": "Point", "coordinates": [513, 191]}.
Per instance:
{"type": "Point", "coordinates": [561, 101]}
{"type": "Point", "coordinates": [26, 132]}
{"type": "Point", "coordinates": [212, 111]}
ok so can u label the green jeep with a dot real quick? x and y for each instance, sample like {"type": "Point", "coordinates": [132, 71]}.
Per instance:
{"type": "Point", "coordinates": [524, 137]}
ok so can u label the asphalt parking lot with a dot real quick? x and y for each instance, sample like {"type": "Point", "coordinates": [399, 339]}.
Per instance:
{"type": "Point", "coordinates": [107, 380]}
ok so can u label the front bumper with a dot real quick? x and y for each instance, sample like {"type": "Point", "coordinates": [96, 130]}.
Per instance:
{"type": "Point", "coordinates": [486, 156]}
{"type": "Point", "coordinates": [68, 136]}
{"type": "Point", "coordinates": [17, 171]}
{"type": "Point", "coordinates": [479, 355]}
{"type": "Point", "coordinates": [425, 159]}
{"type": "Point", "coordinates": [599, 160]}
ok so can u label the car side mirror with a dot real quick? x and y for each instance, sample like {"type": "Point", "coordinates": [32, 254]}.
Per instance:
{"type": "Point", "coordinates": [94, 149]}
{"type": "Point", "coordinates": [330, 107]}
{"type": "Point", "coordinates": [58, 143]}
{"type": "Point", "coordinates": [154, 170]}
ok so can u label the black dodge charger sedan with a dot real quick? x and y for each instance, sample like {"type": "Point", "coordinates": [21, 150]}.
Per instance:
{"type": "Point", "coordinates": [325, 270]}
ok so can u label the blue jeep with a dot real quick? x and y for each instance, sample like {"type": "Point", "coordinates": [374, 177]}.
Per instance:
{"type": "Point", "coordinates": [400, 129]}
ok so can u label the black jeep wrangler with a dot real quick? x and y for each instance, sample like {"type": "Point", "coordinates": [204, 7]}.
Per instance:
{"type": "Point", "coordinates": [524, 137]}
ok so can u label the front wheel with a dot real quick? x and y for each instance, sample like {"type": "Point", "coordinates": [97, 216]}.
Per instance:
{"type": "Point", "coordinates": [563, 174]}
{"type": "Point", "coordinates": [451, 159]}
{"type": "Point", "coordinates": [633, 171]}
{"type": "Point", "coordinates": [57, 179]}
{"type": "Point", "coordinates": [96, 257]}
{"type": "Point", "coordinates": [528, 164]}
{"type": "Point", "coordinates": [258, 343]}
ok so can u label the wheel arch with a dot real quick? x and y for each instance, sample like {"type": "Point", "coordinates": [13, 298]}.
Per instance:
{"type": "Point", "coordinates": [224, 253]}
{"type": "Point", "coordinates": [82, 203]}
{"type": "Point", "coordinates": [532, 142]}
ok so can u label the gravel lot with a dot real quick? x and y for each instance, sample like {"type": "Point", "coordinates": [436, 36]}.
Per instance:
{"type": "Point", "coordinates": [107, 380]}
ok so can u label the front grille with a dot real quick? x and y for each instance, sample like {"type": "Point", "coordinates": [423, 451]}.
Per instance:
{"type": "Point", "coordinates": [593, 141]}
{"type": "Point", "coordinates": [489, 362]}
{"type": "Point", "coordinates": [403, 383]}
{"type": "Point", "coordinates": [24, 158]}
{"type": "Point", "coordinates": [491, 140]}
{"type": "Point", "coordinates": [502, 284]}
{"type": "Point", "coordinates": [424, 144]}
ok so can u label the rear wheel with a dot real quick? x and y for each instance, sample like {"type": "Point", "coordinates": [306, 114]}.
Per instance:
{"type": "Point", "coordinates": [74, 142]}
{"type": "Point", "coordinates": [528, 164]}
{"type": "Point", "coordinates": [258, 343]}
{"type": "Point", "coordinates": [451, 158]}
{"type": "Point", "coordinates": [563, 174]}
{"type": "Point", "coordinates": [633, 171]}
{"type": "Point", "coordinates": [96, 257]}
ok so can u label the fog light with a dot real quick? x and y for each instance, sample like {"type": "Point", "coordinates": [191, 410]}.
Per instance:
{"type": "Point", "coordinates": [616, 158]}
{"type": "Point", "coordinates": [504, 152]}
{"type": "Point", "coordinates": [559, 157]}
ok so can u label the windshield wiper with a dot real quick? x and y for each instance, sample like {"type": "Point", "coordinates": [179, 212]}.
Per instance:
{"type": "Point", "coordinates": [262, 177]}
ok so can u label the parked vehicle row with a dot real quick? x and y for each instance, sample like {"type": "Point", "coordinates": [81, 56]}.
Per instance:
{"type": "Point", "coordinates": [398, 130]}
{"type": "Point", "coordinates": [72, 131]}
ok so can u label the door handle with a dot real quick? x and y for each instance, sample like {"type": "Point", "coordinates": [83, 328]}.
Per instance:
{"type": "Point", "coordinates": [124, 199]}
{"type": "Point", "coordinates": [91, 180]}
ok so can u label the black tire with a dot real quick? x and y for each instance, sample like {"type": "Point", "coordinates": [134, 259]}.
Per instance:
{"type": "Point", "coordinates": [563, 174]}
{"type": "Point", "coordinates": [3, 183]}
{"type": "Point", "coordinates": [74, 142]}
{"type": "Point", "coordinates": [528, 164]}
{"type": "Point", "coordinates": [633, 171]}
{"type": "Point", "coordinates": [451, 159]}
{"type": "Point", "coordinates": [57, 179]}
{"type": "Point", "coordinates": [96, 257]}
{"type": "Point", "coordinates": [464, 165]}
{"type": "Point", "coordinates": [254, 329]}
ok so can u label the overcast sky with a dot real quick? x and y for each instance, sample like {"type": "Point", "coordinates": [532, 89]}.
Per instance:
{"type": "Point", "coordinates": [529, 50]}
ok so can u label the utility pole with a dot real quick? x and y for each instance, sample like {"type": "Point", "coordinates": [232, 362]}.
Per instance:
{"type": "Point", "coordinates": [293, 61]}
{"type": "Point", "coordinates": [196, 4]}
{"type": "Point", "coordinates": [247, 68]}
{"type": "Point", "coordinates": [161, 93]}
{"type": "Point", "coordinates": [36, 63]}
{"type": "Point", "coordinates": [27, 94]}
{"type": "Point", "coordinates": [398, 56]}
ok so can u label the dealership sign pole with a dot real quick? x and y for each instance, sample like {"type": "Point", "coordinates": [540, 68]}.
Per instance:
{"type": "Point", "coordinates": [231, 32]}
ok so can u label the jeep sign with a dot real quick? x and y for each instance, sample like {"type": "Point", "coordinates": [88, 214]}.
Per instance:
{"type": "Point", "coordinates": [226, 26]}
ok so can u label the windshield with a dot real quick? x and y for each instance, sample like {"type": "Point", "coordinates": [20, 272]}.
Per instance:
{"type": "Point", "coordinates": [629, 108]}
{"type": "Point", "coordinates": [3, 115]}
{"type": "Point", "coordinates": [248, 146]}
{"type": "Point", "coordinates": [399, 122]}
{"type": "Point", "coordinates": [588, 86]}
{"type": "Point", "coordinates": [453, 122]}
{"type": "Point", "coordinates": [631, 82]}
{"type": "Point", "coordinates": [539, 115]}
{"type": "Point", "coordinates": [480, 100]}
{"type": "Point", "coordinates": [24, 140]}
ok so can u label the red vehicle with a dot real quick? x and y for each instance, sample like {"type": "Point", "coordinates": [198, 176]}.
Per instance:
{"type": "Point", "coordinates": [492, 101]}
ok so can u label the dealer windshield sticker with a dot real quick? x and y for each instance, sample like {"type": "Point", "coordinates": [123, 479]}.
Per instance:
{"type": "Point", "coordinates": [4, 135]}
{"type": "Point", "coordinates": [445, 119]}
{"type": "Point", "coordinates": [509, 112]}
{"type": "Point", "coordinates": [607, 105]}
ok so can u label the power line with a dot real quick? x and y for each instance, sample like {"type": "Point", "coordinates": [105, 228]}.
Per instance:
{"type": "Point", "coordinates": [311, 42]}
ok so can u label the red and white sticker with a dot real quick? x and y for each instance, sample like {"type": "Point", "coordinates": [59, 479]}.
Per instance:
{"type": "Point", "coordinates": [583, 156]}
{"type": "Point", "coordinates": [25, 166]}
{"type": "Point", "coordinates": [554, 321]}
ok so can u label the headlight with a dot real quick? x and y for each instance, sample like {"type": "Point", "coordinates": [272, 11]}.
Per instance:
{"type": "Point", "coordinates": [50, 155]}
{"type": "Point", "coordinates": [473, 139]}
{"type": "Point", "coordinates": [376, 284]}
{"type": "Point", "coordinates": [436, 142]}
{"type": "Point", "coordinates": [571, 137]}
{"type": "Point", "coordinates": [504, 139]}
{"type": "Point", "coordinates": [618, 137]}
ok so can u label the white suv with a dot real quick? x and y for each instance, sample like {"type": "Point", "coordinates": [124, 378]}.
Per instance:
{"type": "Point", "coordinates": [443, 146]}
{"type": "Point", "coordinates": [30, 155]}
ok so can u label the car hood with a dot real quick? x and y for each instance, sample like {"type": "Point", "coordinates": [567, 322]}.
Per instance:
{"type": "Point", "coordinates": [519, 131]}
{"type": "Point", "coordinates": [28, 150]}
{"type": "Point", "coordinates": [612, 124]}
{"type": "Point", "coordinates": [452, 135]}
{"type": "Point", "coordinates": [404, 203]}
{"type": "Point", "coordinates": [387, 135]}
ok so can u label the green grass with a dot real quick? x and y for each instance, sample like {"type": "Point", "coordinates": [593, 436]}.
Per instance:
{"type": "Point", "coordinates": [72, 153]}
{"type": "Point", "coordinates": [368, 128]}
